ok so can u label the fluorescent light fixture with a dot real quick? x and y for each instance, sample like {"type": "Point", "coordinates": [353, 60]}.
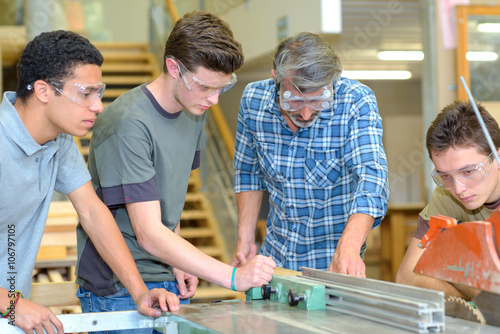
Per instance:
{"type": "Point", "coordinates": [377, 75]}
{"type": "Point", "coordinates": [488, 27]}
{"type": "Point", "coordinates": [401, 55]}
{"type": "Point", "coordinates": [331, 16]}
{"type": "Point", "coordinates": [481, 56]}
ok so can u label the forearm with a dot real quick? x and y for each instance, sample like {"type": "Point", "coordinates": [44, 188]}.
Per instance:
{"type": "Point", "coordinates": [248, 203]}
{"type": "Point", "coordinates": [179, 253]}
{"type": "Point", "coordinates": [356, 231]}
{"type": "Point", "coordinates": [426, 282]}
{"type": "Point", "coordinates": [407, 276]}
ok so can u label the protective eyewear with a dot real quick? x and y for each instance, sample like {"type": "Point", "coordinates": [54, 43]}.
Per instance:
{"type": "Point", "coordinates": [292, 99]}
{"type": "Point", "coordinates": [84, 95]}
{"type": "Point", "coordinates": [468, 177]}
{"type": "Point", "coordinates": [200, 88]}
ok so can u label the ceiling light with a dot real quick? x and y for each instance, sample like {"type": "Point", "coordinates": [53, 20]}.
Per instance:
{"type": "Point", "coordinates": [481, 56]}
{"type": "Point", "coordinates": [401, 55]}
{"type": "Point", "coordinates": [488, 27]}
{"type": "Point", "coordinates": [377, 75]}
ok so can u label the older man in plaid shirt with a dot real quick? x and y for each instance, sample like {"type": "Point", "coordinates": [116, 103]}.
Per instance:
{"type": "Point", "coordinates": [314, 140]}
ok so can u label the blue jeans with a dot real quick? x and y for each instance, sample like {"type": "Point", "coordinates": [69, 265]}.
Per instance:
{"type": "Point", "coordinates": [121, 301]}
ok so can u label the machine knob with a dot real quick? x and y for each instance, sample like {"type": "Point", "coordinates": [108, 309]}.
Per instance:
{"type": "Point", "coordinates": [294, 298]}
{"type": "Point", "coordinates": [267, 290]}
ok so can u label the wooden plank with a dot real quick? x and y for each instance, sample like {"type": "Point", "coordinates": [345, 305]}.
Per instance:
{"type": "Point", "coordinates": [127, 68]}
{"type": "Point", "coordinates": [217, 292]}
{"type": "Point", "coordinates": [54, 294]}
{"type": "Point", "coordinates": [196, 232]}
{"type": "Point", "coordinates": [126, 79]}
{"type": "Point", "coordinates": [193, 197]}
{"type": "Point", "coordinates": [12, 43]}
{"type": "Point", "coordinates": [71, 273]}
{"type": "Point", "coordinates": [59, 239]}
{"type": "Point", "coordinates": [57, 263]}
{"type": "Point", "coordinates": [139, 47]}
{"type": "Point", "coordinates": [193, 214]}
{"type": "Point", "coordinates": [286, 272]}
{"type": "Point", "coordinates": [51, 253]}
{"type": "Point", "coordinates": [61, 208]}
{"type": "Point", "coordinates": [130, 56]}
{"type": "Point", "coordinates": [42, 278]}
{"type": "Point", "coordinates": [114, 92]}
{"type": "Point", "coordinates": [213, 251]}
{"type": "Point", "coordinates": [55, 276]}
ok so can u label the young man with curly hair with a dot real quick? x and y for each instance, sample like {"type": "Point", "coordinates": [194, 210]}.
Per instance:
{"type": "Point", "coordinates": [58, 96]}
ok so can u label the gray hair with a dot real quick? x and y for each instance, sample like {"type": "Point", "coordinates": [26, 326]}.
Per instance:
{"type": "Point", "coordinates": [307, 60]}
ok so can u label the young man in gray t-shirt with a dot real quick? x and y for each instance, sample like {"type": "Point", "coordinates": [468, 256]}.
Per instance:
{"type": "Point", "coordinates": [142, 151]}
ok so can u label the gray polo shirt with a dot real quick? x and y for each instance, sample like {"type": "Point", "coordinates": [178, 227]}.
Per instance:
{"type": "Point", "coordinates": [29, 173]}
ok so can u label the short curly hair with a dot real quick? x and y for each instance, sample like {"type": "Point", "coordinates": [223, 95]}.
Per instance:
{"type": "Point", "coordinates": [53, 55]}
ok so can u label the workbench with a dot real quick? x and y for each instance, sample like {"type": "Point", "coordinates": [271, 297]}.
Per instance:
{"type": "Point", "coordinates": [259, 316]}
{"type": "Point", "coordinates": [318, 302]}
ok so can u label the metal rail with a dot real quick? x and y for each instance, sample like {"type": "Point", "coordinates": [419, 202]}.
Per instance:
{"type": "Point", "coordinates": [410, 308]}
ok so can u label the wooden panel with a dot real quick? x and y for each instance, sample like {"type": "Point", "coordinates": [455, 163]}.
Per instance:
{"type": "Point", "coordinates": [193, 214]}
{"type": "Point", "coordinates": [126, 79]}
{"type": "Point", "coordinates": [54, 294]}
{"type": "Point", "coordinates": [51, 253]}
{"type": "Point", "coordinates": [197, 232]}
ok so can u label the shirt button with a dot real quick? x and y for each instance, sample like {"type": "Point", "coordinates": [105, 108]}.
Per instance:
{"type": "Point", "coordinates": [37, 159]}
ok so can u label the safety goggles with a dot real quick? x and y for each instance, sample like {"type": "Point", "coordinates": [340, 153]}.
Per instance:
{"type": "Point", "coordinates": [200, 88]}
{"type": "Point", "coordinates": [84, 95]}
{"type": "Point", "coordinates": [292, 99]}
{"type": "Point", "coordinates": [468, 177]}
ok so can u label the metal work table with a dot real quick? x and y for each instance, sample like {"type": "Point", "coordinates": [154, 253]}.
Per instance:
{"type": "Point", "coordinates": [259, 316]}
{"type": "Point", "coordinates": [314, 302]}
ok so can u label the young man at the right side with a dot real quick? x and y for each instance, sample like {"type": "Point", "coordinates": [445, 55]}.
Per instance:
{"type": "Point", "coordinates": [468, 179]}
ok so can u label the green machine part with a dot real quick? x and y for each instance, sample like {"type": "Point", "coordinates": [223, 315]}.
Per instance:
{"type": "Point", "coordinates": [310, 296]}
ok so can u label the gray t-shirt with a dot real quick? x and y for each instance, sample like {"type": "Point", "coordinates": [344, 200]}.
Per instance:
{"type": "Point", "coordinates": [139, 152]}
{"type": "Point", "coordinates": [29, 173]}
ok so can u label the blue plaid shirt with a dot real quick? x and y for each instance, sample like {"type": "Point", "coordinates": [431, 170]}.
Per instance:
{"type": "Point", "coordinates": [316, 177]}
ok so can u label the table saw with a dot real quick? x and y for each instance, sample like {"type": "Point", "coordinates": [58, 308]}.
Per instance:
{"type": "Point", "coordinates": [314, 302]}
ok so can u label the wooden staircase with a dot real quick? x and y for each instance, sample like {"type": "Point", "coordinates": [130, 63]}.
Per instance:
{"type": "Point", "coordinates": [127, 65]}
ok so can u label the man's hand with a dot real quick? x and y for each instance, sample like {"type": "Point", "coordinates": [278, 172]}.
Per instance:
{"type": "Point", "coordinates": [243, 253]}
{"type": "Point", "coordinates": [347, 261]}
{"type": "Point", "coordinates": [33, 317]}
{"type": "Point", "coordinates": [259, 270]}
{"type": "Point", "coordinates": [186, 283]}
{"type": "Point", "coordinates": [148, 301]}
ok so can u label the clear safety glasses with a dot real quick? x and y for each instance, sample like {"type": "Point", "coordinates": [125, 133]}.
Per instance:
{"type": "Point", "coordinates": [468, 177]}
{"type": "Point", "coordinates": [84, 95]}
{"type": "Point", "coordinates": [292, 99]}
{"type": "Point", "coordinates": [200, 88]}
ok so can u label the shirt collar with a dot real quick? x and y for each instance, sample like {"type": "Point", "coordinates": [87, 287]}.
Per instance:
{"type": "Point", "coordinates": [14, 127]}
